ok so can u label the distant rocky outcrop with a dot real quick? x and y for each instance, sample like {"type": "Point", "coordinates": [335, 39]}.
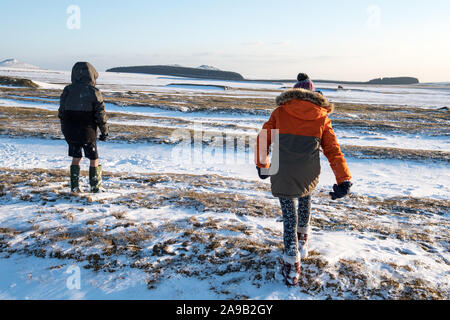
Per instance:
{"type": "Point", "coordinates": [379, 81]}
{"type": "Point", "coordinates": [17, 82]}
{"type": "Point", "coordinates": [210, 72]}
{"type": "Point", "coordinates": [203, 72]}
{"type": "Point", "coordinates": [395, 81]}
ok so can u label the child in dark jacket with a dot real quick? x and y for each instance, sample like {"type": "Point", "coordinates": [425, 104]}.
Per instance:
{"type": "Point", "coordinates": [303, 127]}
{"type": "Point", "coordinates": [81, 112]}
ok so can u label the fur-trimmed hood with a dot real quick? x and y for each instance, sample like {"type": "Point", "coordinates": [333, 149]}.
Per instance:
{"type": "Point", "coordinates": [305, 95]}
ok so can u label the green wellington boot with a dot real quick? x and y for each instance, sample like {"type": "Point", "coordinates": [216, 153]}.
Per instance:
{"type": "Point", "coordinates": [75, 179]}
{"type": "Point", "coordinates": [95, 179]}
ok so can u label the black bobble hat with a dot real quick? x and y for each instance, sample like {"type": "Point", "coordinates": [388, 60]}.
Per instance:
{"type": "Point", "coordinates": [302, 77]}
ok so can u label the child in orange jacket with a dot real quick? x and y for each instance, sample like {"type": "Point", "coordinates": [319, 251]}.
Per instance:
{"type": "Point", "coordinates": [302, 127]}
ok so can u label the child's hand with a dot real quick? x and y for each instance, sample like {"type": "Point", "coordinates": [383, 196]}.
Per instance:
{"type": "Point", "coordinates": [341, 190]}
{"type": "Point", "coordinates": [103, 137]}
{"type": "Point", "coordinates": [261, 176]}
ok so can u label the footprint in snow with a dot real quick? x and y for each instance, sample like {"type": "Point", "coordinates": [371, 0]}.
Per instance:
{"type": "Point", "coordinates": [405, 251]}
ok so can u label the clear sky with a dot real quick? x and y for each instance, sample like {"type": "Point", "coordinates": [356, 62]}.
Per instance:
{"type": "Point", "coordinates": [329, 39]}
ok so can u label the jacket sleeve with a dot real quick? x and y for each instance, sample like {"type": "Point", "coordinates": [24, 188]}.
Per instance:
{"type": "Point", "coordinates": [62, 103]}
{"type": "Point", "coordinates": [99, 112]}
{"type": "Point", "coordinates": [332, 151]}
{"type": "Point", "coordinates": [265, 137]}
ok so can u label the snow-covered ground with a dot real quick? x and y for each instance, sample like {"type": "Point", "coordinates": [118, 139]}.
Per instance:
{"type": "Point", "coordinates": [383, 178]}
{"type": "Point", "coordinates": [177, 228]}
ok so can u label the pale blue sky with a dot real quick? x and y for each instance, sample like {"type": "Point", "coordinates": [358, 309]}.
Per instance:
{"type": "Point", "coordinates": [260, 39]}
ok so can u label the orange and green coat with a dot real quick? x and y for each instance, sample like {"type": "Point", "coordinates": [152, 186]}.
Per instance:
{"type": "Point", "coordinates": [304, 127]}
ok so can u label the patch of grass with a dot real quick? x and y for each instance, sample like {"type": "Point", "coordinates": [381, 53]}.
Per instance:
{"type": "Point", "coordinates": [17, 82]}
{"type": "Point", "coordinates": [368, 152]}
{"type": "Point", "coordinates": [29, 122]}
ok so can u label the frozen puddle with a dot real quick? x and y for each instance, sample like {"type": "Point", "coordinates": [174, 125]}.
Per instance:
{"type": "Point", "coordinates": [205, 116]}
{"type": "Point", "coordinates": [28, 104]}
{"type": "Point", "coordinates": [196, 87]}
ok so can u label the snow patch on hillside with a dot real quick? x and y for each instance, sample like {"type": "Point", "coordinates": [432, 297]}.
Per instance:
{"type": "Point", "coordinates": [16, 64]}
{"type": "Point", "coordinates": [205, 67]}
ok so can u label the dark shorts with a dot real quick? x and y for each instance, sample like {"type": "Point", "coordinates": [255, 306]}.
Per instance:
{"type": "Point", "coordinates": [90, 150]}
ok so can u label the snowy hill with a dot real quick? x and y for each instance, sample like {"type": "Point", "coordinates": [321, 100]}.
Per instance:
{"type": "Point", "coordinates": [16, 64]}
{"type": "Point", "coordinates": [205, 67]}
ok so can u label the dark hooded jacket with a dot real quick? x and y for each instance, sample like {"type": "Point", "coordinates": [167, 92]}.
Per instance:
{"type": "Point", "coordinates": [82, 109]}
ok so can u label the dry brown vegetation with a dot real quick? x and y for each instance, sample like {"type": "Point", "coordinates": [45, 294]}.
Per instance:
{"type": "Point", "coordinates": [198, 102]}
{"type": "Point", "coordinates": [30, 122]}
{"type": "Point", "coordinates": [202, 101]}
{"type": "Point", "coordinates": [392, 113]}
{"type": "Point", "coordinates": [368, 152]}
{"type": "Point", "coordinates": [17, 82]}
{"type": "Point", "coordinates": [222, 244]}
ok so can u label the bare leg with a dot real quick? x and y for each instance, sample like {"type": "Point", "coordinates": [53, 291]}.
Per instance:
{"type": "Point", "coordinates": [76, 161]}
{"type": "Point", "coordinates": [94, 163]}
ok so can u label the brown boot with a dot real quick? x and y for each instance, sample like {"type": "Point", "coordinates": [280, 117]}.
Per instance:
{"type": "Point", "coordinates": [290, 269]}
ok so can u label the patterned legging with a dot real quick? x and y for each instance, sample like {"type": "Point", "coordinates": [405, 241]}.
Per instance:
{"type": "Point", "coordinates": [295, 221]}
